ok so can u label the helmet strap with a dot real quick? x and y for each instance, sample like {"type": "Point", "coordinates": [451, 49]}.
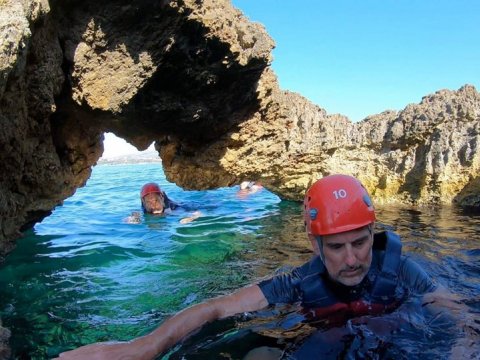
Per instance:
{"type": "Point", "coordinates": [319, 240]}
{"type": "Point", "coordinates": [370, 229]}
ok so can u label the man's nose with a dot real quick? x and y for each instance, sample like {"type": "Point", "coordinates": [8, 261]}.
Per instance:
{"type": "Point", "coordinates": [350, 257]}
{"type": "Point", "coordinates": [153, 201]}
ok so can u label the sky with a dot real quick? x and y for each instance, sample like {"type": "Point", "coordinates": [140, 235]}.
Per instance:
{"type": "Point", "coordinates": [114, 146]}
{"type": "Point", "coordinates": [362, 57]}
{"type": "Point", "coordinates": [359, 58]}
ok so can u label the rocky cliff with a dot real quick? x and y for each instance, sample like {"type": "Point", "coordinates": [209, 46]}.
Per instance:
{"type": "Point", "coordinates": [194, 77]}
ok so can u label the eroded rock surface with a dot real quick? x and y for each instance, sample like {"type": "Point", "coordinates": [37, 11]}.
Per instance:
{"type": "Point", "coordinates": [194, 77]}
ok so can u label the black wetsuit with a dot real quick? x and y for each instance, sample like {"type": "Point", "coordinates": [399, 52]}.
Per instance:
{"type": "Point", "coordinates": [169, 204]}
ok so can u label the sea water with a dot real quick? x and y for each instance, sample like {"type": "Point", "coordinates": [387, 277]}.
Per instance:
{"type": "Point", "coordinates": [85, 274]}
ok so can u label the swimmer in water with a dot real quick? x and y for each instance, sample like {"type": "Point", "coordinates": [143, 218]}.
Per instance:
{"type": "Point", "coordinates": [154, 200]}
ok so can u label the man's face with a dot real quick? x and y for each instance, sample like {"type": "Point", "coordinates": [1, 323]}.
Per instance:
{"type": "Point", "coordinates": [153, 203]}
{"type": "Point", "coordinates": [348, 255]}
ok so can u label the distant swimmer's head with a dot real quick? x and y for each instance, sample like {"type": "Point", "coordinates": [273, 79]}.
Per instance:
{"type": "Point", "coordinates": [246, 185]}
{"type": "Point", "coordinates": [153, 199]}
{"type": "Point", "coordinates": [249, 187]}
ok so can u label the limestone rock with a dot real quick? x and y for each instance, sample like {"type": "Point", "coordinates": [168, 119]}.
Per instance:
{"type": "Point", "coordinates": [425, 154]}
{"type": "Point", "coordinates": [41, 164]}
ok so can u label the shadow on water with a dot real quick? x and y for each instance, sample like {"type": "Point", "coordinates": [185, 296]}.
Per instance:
{"type": "Point", "coordinates": [85, 276]}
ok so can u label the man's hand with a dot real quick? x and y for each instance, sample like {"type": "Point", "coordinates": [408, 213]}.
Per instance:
{"type": "Point", "coordinates": [106, 351]}
{"type": "Point", "coordinates": [194, 216]}
{"type": "Point", "coordinates": [134, 218]}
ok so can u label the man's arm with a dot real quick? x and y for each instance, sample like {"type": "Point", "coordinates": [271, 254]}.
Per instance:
{"type": "Point", "coordinates": [443, 302]}
{"type": "Point", "coordinates": [442, 299]}
{"type": "Point", "coordinates": [175, 328]}
{"type": "Point", "coordinates": [193, 216]}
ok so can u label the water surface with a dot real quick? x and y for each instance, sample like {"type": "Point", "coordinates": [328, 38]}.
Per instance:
{"type": "Point", "coordinates": [84, 275]}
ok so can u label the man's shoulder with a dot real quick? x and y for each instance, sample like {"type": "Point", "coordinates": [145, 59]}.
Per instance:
{"type": "Point", "coordinates": [172, 205]}
{"type": "Point", "coordinates": [312, 267]}
{"type": "Point", "coordinates": [383, 238]}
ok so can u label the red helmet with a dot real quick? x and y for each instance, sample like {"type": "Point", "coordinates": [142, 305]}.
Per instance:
{"type": "Point", "coordinates": [149, 189]}
{"type": "Point", "coordinates": [335, 204]}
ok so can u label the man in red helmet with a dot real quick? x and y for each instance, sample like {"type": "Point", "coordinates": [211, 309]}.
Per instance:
{"type": "Point", "coordinates": [354, 272]}
{"type": "Point", "coordinates": [154, 200]}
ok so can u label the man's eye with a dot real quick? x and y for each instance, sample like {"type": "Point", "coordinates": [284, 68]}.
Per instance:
{"type": "Point", "coordinates": [335, 246]}
{"type": "Point", "coordinates": [359, 243]}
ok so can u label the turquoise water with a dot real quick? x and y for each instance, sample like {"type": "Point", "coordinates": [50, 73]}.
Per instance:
{"type": "Point", "coordinates": [84, 275]}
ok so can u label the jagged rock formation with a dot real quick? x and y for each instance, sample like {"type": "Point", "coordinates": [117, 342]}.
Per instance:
{"type": "Point", "coordinates": [194, 77]}
{"type": "Point", "coordinates": [71, 70]}
{"type": "Point", "coordinates": [425, 154]}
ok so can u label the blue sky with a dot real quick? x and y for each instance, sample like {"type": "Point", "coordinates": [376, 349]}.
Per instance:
{"type": "Point", "coordinates": [361, 57]}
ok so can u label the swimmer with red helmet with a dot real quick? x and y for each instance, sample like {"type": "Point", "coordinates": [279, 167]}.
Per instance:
{"type": "Point", "coordinates": [353, 272]}
{"type": "Point", "coordinates": [156, 202]}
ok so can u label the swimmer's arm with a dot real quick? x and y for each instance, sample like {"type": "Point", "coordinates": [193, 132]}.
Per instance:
{"type": "Point", "coordinates": [441, 299]}
{"type": "Point", "coordinates": [175, 328]}
{"type": "Point", "coordinates": [195, 215]}
{"type": "Point", "coordinates": [442, 302]}
{"type": "Point", "coordinates": [134, 218]}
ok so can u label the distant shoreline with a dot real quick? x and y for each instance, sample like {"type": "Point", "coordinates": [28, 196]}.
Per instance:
{"type": "Point", "coordinates": [139, 158]}
{"type": "Point", "coordinates": [127, 162]}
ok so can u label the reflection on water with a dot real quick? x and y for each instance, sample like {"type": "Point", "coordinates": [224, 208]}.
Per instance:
{"type": "Point", "coordinates": [84, 276]}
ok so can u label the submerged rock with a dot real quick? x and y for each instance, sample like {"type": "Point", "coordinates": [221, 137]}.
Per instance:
{"type": "Point", "coordinates": [5, 351]}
